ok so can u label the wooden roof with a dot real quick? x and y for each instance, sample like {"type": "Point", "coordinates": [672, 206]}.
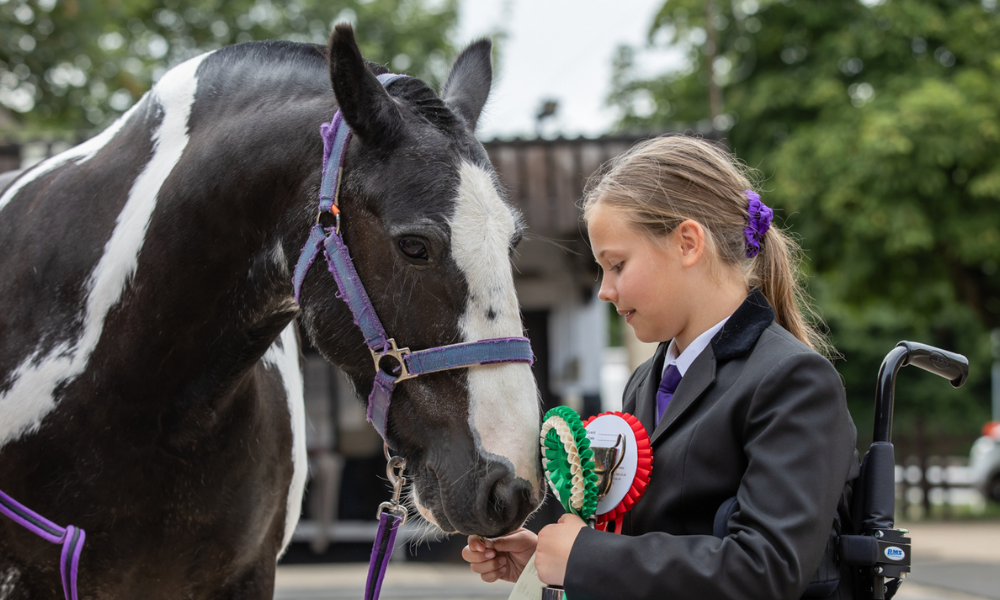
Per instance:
{"type": "Point", "coordinates": [546, 178]}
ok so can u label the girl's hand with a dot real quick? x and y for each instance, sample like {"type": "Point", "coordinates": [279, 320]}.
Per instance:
{"type": "Point", "coordinates": [500, 558]}
{"type": "Point", "coordinates": [554, 543]}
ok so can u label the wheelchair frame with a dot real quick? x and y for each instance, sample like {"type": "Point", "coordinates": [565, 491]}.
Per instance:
{"type": "Point", "coordinates": [879, 551]}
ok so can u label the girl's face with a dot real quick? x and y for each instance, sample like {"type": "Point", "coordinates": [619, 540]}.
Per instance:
{"type": "Point", "coordinates": [644, 280]}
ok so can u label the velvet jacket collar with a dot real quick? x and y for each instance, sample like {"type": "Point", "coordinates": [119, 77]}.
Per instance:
{"type": "Point", "coordinates": [736, 338]}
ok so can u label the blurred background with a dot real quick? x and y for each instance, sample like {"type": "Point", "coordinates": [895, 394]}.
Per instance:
{"type": "Point", "coordinates": [874, 126]}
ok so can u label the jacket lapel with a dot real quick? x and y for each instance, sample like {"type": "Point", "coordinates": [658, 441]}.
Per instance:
{"type": "Point", "coordinates": [698, 378]}
{"type": "Point", "coordinates": [645, 396]}
{"type": "Point", "coordinates": [736, 338]}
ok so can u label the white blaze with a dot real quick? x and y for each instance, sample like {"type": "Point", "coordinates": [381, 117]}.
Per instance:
{"type": "Point", "coordinates": [286, 360]}
{"type": "Point", "coordinates": [503, 403]}
{"type": "Point", "coordinates": [32, 395]}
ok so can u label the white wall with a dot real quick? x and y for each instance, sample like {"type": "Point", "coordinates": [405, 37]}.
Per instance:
{"type": "Point", "coordinates": [578, 336]}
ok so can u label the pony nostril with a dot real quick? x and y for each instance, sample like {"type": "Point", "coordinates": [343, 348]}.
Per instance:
{"type": "Point", "coordinates": [498, 500]}
{"type": "Point", "coordinates": [510, 501]}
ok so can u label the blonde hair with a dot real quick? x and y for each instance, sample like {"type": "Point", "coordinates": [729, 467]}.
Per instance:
{"type": "Point", "coordinates": [664, 181]}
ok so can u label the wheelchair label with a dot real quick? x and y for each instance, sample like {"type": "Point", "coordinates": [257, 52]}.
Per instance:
{"type": "Point", "coordinates": [894, 553]}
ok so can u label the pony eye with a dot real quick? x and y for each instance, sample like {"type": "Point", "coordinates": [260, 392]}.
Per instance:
{"type": "Point", "coordinates": [413, 248]}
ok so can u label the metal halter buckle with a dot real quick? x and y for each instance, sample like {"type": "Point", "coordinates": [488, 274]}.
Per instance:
{"type": "Point", "coordinates": [334, 210]}
{"type": "Point", "coordinates": [336, 216]}
{"type": "Point", "coordinates": [394, 471]}
{"type": "Point", "coordinates": [397, 353]}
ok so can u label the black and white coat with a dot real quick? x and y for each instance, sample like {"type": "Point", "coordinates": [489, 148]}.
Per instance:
{"type": "Point", "coordinates": [150, 387]}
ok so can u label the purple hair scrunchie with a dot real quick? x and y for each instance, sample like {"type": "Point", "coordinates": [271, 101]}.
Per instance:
{"type": "Point", "coordinates": [758, 222]}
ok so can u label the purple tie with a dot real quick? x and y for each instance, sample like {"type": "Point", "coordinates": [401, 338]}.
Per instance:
{"type": "Point", "coordinates": [671, 378]}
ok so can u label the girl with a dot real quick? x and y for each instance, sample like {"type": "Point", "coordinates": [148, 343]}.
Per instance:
{"type": "Point", "coordinates": [754, 449]}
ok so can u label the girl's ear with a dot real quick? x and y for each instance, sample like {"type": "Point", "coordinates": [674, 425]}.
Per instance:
{"type": "Point", "coordinates": [690, 239]}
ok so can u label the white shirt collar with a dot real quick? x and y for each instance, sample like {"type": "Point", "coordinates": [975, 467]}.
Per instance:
{"type": "Point", "coordinates": [692, 351]}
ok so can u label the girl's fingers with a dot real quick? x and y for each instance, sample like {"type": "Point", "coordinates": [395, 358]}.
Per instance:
{"type": "Point", "coordinates": [494, 575]}
{"type": "Point", "coordinates": [468, 555]}
{"type": "Point", "coordinates": [489, 556]}
{"type": "Point", "coordinates": [488, 566]}
{"type": "Point", "coordinates": [481, 546]}
{"type": "Point", "coordinates": [519, 541]}
{"type": "Point", "coordinates": [477, 543]}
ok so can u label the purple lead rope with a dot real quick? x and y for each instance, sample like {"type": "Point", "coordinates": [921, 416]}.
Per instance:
{"type": "Point", "coordinates": [385, 538]}
{"type": "Point", "coordinates": [70, 537]}
{"type": "Point", "coordinates": [390, 516]}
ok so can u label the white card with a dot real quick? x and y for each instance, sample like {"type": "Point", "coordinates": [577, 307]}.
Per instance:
{"type": "Point", "coordinates": [528, 586]}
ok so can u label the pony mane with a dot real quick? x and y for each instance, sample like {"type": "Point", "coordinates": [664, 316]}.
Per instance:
{"type": "Point", "coordinates": [426, 103]}
{"type": "Point", "coordinates": [242, 72]}
{"type": "Point", "coordinates": [271, 51]}
{"type": "Point", "coordinates": [419, 96]}
{"type": "Point", "coordinates": [226, 63]}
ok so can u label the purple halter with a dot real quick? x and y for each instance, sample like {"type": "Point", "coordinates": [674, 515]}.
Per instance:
{"type": "Point", "coordinates": [70, 537]}
{"type": "Point", "coordinates": [329, 241]}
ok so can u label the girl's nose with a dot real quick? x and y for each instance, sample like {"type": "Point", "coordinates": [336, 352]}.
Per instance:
{"type": "Point", "coordinates": [607, 293]}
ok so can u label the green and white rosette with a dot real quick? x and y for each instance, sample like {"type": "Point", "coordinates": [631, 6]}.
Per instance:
{"type": "Point", "coordinates": [569, 461]}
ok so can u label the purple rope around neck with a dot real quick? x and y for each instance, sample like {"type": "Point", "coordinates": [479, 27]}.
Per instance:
{"type": "Point", "coordinates": [70, 537]}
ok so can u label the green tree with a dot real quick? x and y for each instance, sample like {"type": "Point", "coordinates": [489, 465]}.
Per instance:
{"type": "Point", "coordinates": [877, 130]}
{"type": "Point", "coordinates": [73, 64]}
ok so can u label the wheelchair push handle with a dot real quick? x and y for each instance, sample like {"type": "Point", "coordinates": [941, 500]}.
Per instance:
{"type": "Point", "coordinates": [950, 365]}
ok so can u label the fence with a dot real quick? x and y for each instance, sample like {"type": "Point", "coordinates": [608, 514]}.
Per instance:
{"type": "Point", "coordinates": [943, 486]}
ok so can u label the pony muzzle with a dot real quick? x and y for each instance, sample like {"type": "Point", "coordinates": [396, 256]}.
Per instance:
{"type": "Point", "coordinates": [489, 500]}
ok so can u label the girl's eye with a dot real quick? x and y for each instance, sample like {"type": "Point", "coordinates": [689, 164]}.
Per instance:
{"type": "Point", "coordinates": [617, 267]}
{"type": "Point", "coordinates": [413, 248]}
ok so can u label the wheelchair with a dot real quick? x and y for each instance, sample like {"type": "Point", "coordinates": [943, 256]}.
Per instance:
{"type": "Point", "coordinates": [878, 551]}
{"type": "Point", "coordinates": [869, 544]}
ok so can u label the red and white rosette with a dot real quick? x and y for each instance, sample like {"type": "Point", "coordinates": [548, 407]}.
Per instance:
{"type": "Point", "coordinates": [632, 476]}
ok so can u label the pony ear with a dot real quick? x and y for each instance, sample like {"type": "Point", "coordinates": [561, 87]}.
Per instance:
{"type": "Point", "coordinates": [468, 84]}
{"type": "Point", "coordinates": [364, 103]}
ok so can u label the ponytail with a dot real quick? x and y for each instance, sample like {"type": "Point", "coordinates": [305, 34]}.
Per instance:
{"type": "Point", "coordinates": [775, 271]}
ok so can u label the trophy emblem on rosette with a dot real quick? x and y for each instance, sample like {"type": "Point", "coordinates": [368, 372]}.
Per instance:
{"type": "Point", "coordinates": [598, 469]}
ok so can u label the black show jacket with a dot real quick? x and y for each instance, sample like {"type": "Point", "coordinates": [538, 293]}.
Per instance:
{"type": "Point", "coordinates": [758, 416]}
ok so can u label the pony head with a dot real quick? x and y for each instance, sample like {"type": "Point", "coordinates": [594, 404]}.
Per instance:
{"type": "Point", "coordinates": [431, 234]}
